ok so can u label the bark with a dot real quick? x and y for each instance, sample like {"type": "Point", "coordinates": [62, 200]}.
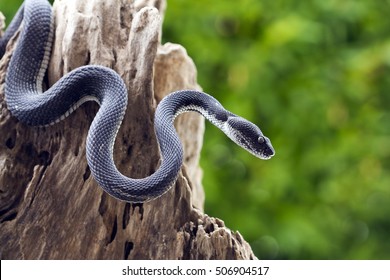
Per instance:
{"type": "Point", "coordinates": [51, 207]}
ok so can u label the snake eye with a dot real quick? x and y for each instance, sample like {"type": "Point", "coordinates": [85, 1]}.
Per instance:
{"type": "Point", "coordinates": [261, 140]}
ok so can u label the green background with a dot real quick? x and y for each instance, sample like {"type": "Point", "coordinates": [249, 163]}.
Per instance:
{"type": "Point", "coordinates": [315, 76]}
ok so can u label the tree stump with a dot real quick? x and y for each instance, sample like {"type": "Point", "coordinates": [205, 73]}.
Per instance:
{"type": "Point", "coordinates": [51, 207]}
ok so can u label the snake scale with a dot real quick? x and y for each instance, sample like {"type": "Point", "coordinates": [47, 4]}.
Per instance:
{"type": "Point", "coordinates": [27, 102]}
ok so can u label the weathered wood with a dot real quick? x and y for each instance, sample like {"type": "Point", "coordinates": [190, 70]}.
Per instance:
{"type": "Point", "coordinates": [51, 207]}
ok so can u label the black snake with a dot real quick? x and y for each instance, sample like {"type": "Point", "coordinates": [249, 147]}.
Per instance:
{"type": "Point", "coordinates": [27, 102]}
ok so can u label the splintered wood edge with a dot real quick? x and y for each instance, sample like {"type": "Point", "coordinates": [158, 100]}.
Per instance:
{"type": "Point", "coordinates": [199, 236]}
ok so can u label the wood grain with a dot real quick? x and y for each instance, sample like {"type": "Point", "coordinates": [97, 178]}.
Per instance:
{"type": "Point", "coordinates": [51, 207]}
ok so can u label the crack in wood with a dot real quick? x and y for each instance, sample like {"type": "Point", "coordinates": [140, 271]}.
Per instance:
{"type": "Point", "coordinates": [86, 223]}
{"type": "Point", "coordinates": [129, 246]}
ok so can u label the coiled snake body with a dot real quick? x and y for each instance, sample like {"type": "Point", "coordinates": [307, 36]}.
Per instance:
{"type": "Point", "coordinates": [25, 100]}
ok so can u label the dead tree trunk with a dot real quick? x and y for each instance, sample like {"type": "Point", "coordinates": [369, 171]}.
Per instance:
{"type": "Point", "coordinates": [51, 207]}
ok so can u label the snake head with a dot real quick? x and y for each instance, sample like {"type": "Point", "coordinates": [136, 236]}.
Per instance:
{"type": "Point", "coordinates": [249, 136]}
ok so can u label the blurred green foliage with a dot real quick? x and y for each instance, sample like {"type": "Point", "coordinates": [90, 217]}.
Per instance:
{"type": "Point", "coordinates": [315, 76]}
{"type": "Point", "coordinates": [8, 8]}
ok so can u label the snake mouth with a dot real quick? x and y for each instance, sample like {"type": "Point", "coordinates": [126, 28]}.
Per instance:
{"type": "Point", "coordinates": [264, 153]}
{"type": "Point", "coordinates": [270, 152]}
{"type": "Point", "coordinates": [268, 156]}
{"type": "Point", "coordinates": [262, 150]}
